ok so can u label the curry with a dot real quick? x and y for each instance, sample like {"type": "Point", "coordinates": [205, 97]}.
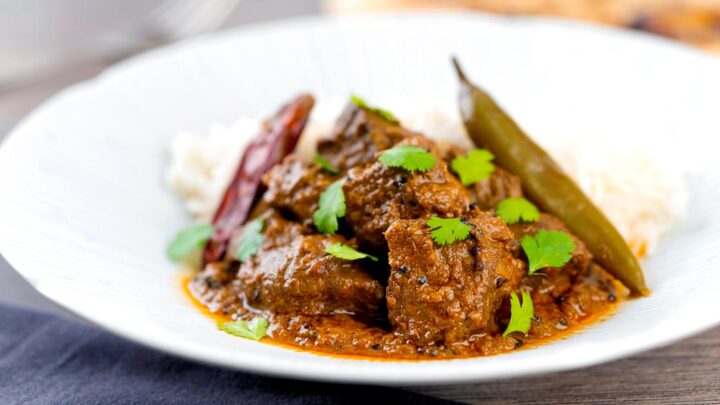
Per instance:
{"type": "Point", "coordinates": [390, 246]}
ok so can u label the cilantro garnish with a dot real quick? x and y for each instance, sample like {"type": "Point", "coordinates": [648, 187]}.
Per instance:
{"type": "Point", "coordinates": [520, 315]}
{"type": "Point", "coordinates": [379, 111]}
{"type": "Point", "coordinates": [513, 210]}
{"type": "Point", "coordinates": [189, 239]}
{"type": "Point", "coordinates": [476, 166]}
{"type": "Point", "coordinates": [330, 207]}
{"type": "Point", "coordinates": [250, 240]}
{"type": "Point", "coordinates": [255, 329]}
{"type": "Point", "coordinates": [547, 249]}
{"type": "Point", "coordinates": [325, 165]}
{"type": "Point", "coordinates": [343, 251]}
{"type": "Point", "coordinates": [408, 157]}
{"type": "Point", "coordinates": [447, 230]}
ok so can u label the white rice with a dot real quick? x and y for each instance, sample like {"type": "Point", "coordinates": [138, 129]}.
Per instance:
{"type": "Point", "coordinates": [631, 186]}
{"type": "Point", "coordinates": [201, 166]}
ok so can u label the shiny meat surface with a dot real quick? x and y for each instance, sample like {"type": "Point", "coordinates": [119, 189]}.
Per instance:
{"type": "Point", "coordinates": [488, 193]}
{"type": "Point", "coordinates": [294, 187]}
{"type": "Point", "coordinates": [291, 273]}
{"type": "Point", "coordinates": [377, 196]}
{"type": "Point", "coordinates": [555, 281]}
{"type": "Point", "coordinates": [301, 278]}
{"type": "Point", "coordinates": [217, 287]}
{"type": "Point", "coordinates": [213, 288]}
{"type": "Point", "coordinates": [500, 185]}
{"type": "Point", "coordinates": [445, 294]}
{"type": "Point", "coordinates": [358, 136]}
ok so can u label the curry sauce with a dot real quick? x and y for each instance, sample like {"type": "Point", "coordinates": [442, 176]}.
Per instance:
{"type": "Point", "coordinates": [398, 291]}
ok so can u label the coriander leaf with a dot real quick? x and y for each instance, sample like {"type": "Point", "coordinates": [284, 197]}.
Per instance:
{"type": "Point", "coordinates": [408, 157]}
{"type": "Point", "coordinates": [330, 207]}
{"type": "Point", "coordinates": [322, 162]}
{"type": "Point", "coordinates": [547, 249]}
{"type": "Point", "coordinates": [513, 210]}
{"type": "Point", "coordinates": [189, 239]}
{"type": "Point", "coordinates": [447, 230]}
{"type": "Point", "coordinates": [520, 315]}
{"type": "Point", "coordinates": [379, 111]}
{"type": "Point", "coordinates": [476, 166]}
{"type": "Point", "coordinates": [250, 240]}
{"type": "Point", "coordinates": [343, 251]}
{"type": "Point", "coordinates": [255, 329]}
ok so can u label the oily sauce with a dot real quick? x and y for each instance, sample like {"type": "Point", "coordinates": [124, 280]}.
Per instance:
{"type": "Point", "coordinates": [411, 294]}
{"type": "Point", "coordinates": [279, 338]}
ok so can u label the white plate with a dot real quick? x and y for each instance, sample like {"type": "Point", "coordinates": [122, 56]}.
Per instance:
{"type": "Point", "coordinates": [84, 215]}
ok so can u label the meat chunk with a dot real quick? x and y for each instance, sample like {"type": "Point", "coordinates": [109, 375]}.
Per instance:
{"type": "Point", "coordinates": [488, 193]}
{"type": "Point", "coordinates": [358, 136]}
{"type": "Point", "coordinates": [590, 293]}
{"type": "Point", "coordinates": [557, 280]}
{"type": "Point", "coordinates": [213, 288]}
{"type": "Point", "coordinates": [445, 294]}
{"type": "Point", "coordinates": [564, 296]}
{"type": "Point", "coordinates": [500, 185]}
{"type": "Point", "coordinates": [294, 187]}
{"type": "Point", "coordinates": [376, 196]}
{"type": "Point", "coordinates": [216, 286]}
{"type": "Point", "coordinates": [299, 277]}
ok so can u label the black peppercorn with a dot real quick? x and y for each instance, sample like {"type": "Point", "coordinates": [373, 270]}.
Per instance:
{"type": "Point", "coordinates": [213, 284]}
{"type": "Point", "coordinates": [479, 266]}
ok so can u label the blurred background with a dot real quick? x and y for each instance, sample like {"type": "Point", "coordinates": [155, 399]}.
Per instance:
{"type": "Point", "coordinates": [696, 22]}
{"type": "Point", "coordinates": [47, 45]}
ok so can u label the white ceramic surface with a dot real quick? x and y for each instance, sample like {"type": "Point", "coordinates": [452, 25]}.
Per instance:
{"type": "Point", "coordinates": [84, 215]}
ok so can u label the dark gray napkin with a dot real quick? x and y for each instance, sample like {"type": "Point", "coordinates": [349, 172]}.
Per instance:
{"type": "Point", "coordinates": [47, 359]}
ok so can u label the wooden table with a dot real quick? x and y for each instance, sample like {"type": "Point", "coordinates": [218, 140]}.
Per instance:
{"type": "Point", "coordinates": [686, 372]}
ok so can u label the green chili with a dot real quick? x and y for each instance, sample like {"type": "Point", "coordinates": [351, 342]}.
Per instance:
{"type": "Point", "coordinates": [545, 183]}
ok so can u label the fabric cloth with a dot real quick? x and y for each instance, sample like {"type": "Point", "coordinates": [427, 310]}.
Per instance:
{"type": "Point", "coordinates": [49, 359]}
